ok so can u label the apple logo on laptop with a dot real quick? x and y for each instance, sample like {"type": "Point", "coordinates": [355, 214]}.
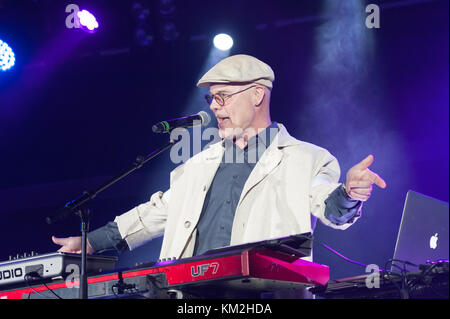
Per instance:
{"type": "Point", "coordinates": [433, 241]}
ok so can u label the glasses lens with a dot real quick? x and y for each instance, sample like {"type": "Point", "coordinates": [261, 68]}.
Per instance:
{"type": "Point", "coordinates": [208, 99]}
{"type": "Point", "coordinates": [219, 99]}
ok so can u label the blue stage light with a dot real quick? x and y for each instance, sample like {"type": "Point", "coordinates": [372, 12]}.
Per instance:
{"type": "Point", "coordinates": [7, 58]}
{"type": "Point", "coordinates": [223, 42]}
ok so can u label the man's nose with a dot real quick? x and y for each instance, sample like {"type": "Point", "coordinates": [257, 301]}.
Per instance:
{"type": "Point", "coordinates": [214, 105]}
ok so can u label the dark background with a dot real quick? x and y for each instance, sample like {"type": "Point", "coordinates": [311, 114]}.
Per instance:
{"type": "Point", "coordinates": [77, 108]}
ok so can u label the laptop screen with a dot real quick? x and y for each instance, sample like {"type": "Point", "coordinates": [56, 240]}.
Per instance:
{"type": "Point", "coordinates": [423, 235]}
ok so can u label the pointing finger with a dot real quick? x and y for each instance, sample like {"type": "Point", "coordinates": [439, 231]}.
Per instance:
{"type": "Point", "coordinates": [365, 162]}
{"type": "Point", "coordinates": [377, 180]}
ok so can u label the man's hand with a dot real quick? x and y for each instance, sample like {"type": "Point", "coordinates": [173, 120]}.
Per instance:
{"type": "Point", "coordinates": [360, 178]}
{"type": "Point", "coordinates": [72, 245]}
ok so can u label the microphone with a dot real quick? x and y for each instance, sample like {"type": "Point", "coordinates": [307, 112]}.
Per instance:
{"type": "Point", "coordinates": [201, 118]}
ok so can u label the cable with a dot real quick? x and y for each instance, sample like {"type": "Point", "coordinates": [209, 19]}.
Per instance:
{"type": "Point", "coordinates": [339, 254]}
{"type": "Point", "coordinates": [428, 270]}
{"type": "Point", "coordinates": [403, 290]}
{"type": "Point", "coordinates": [422, 279]}
{"type": "Point", "coordinates": [342, 256]}
{"type": "Point", "coordinates": [402, 273]}
{"type": "Point", "coordinates": [29, 285]}
{"type": "Point", "coordinates": [364, 265]}
{"type": "Point", "coordinates": [59, 297]}
{"type": "Point", "coordinates": [400, 289]}
{"type": "Point", "coordinates": [35, 275]}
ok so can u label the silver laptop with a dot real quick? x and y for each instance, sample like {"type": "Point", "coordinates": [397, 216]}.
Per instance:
{"type": "Point", "coordinates": [423, 235]}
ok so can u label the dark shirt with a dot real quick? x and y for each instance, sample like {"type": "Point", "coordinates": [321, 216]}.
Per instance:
{"type": "Point", "coordinates": [216, 219]}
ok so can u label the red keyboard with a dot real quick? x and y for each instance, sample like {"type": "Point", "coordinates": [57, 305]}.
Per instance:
{"type": "Point", "coordinates": [257, 269]}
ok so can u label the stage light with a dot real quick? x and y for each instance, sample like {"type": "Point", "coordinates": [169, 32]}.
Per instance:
{"type": "Point", "coordinates": [223, 42]}
{"type": "Point", "coordinates": [87, 21]}
{"type": "Point", "coordinates": [7, 58]}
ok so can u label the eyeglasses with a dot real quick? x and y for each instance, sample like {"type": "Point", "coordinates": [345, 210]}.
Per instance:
{"type": "Point", "coordinates": [221, 97]}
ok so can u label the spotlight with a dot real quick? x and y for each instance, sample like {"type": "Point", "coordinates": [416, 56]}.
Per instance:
{"type": "Point", "coordinates": [7, 58]}
{"type": "Point", "coordinates": [87, 21]}
{"type": "Point", "coordinates": [223, 42]}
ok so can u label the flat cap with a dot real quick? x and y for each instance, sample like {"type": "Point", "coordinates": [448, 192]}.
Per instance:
{"type": "Point", "coordinates": [239, 69]}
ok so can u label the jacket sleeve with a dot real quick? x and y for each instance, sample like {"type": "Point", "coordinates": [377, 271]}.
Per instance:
{"type": "Point", "coordinates": [340, 208]}
{"type": "Point", "coordinates": [325, 180]}
{"type": "Point", "coordinates": [144, 222]}
{"type": "Point", "coordinates": [107, 237]}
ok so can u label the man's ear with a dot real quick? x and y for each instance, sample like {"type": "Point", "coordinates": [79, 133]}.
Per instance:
{"type": "Point", "coordinates": [259, 95]}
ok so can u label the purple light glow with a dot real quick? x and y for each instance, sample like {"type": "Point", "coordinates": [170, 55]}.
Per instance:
{"type": "Point", "coordinates": [87, 20]}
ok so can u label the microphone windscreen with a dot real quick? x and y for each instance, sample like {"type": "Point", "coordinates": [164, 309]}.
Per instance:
{"type": "Point", "coordinates": [206, 118]}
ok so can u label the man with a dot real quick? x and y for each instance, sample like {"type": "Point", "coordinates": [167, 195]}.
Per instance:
{"type": "Point", "coordinates": [279, 187]}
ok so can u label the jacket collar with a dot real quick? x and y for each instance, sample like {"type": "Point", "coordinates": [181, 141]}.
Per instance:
{"type": "Point", "coordinates": [284, 139]}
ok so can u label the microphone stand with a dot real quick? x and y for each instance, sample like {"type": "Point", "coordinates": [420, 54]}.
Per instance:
{"type": "Point", "coordinates": [84, 216]}
{"type": "Point", "coordinates": [76, 207]}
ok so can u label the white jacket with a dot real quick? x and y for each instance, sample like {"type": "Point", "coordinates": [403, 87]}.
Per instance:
{"type": "Point", "coordinates": [291, 181]}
